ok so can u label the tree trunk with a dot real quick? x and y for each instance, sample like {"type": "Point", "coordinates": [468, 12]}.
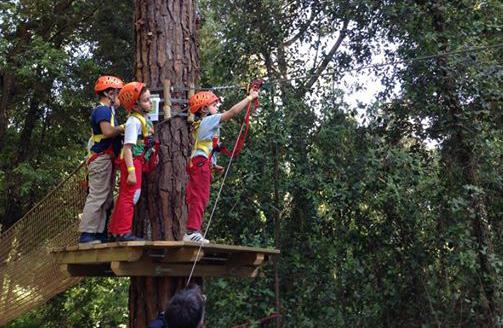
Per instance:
{"type": "Point", "coordinates": [6, 86]}
{"type": "Point", "coordinates": [14, 208]}
{"type": "Point", "coordinates": [166, 33]}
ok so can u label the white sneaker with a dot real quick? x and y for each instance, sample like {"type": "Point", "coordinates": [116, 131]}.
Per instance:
{"type": "Point", "coordinates": [195, 237]}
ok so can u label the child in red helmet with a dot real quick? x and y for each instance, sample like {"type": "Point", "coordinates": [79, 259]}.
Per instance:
{"type": "Point", "coordinates": [138, 142]}
{"type": "Point", "coordinates": [207, 130]}
{"type": "Point", "coordinates": [104, 145]}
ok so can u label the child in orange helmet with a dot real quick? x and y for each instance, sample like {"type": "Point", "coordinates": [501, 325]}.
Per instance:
{"type": "Point", "coordinates": [207, 130]}
{"type": "Point", "coordinates": [138, 142]}
{"type": "Point", "coordinates": [105, 143]}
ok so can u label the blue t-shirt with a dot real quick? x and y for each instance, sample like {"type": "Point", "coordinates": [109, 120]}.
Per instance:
{"type": "Point", "coordinates": [210, 126]}
{"type": "Point", "coordinates": [104, 113]}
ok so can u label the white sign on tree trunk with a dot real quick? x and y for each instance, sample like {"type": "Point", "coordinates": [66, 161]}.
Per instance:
{"type": "Point", "coordinates": [154, 113]}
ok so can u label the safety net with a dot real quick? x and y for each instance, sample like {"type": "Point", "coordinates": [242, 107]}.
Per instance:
{"type": "Point", "coordinates": [29, 275]}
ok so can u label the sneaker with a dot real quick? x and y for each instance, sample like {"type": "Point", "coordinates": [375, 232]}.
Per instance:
{"type": "Point", "coordinates": [127, 237]}
{"type": "Point", "coordinates": [102, 237]}
{"type": "Point", "coordinates": [195, 237]}
{"type": "Point", "coordinates": [88, 238]}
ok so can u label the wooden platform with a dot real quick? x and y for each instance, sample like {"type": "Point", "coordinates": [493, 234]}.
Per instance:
{"type": "Point", "coordinates": [161, 258]}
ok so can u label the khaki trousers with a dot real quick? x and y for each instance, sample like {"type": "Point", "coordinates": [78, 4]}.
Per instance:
{"type": "Point", "coordinates": [99, 201]}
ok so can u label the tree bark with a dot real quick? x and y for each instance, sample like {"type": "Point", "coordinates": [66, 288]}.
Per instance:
{"type": "Point", "coordinates": [4, 103]}
{"type": "Point", "coordinates": [166, 33]}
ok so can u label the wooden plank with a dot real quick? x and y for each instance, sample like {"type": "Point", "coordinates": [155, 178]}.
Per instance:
{"type": "Point", "coordinates": [130, 243]}
{"type": "Point", "coordinates": [91, 255]}
{"type": "Point", "coordinates": [214, 259]}
{"type": "Point", "coordinates": [250, 259]}
{"type": "Point", "coordinates": [144, 268]}
{"type": "Point", "coordinates": [181, 255]}
{"type": "Point", "coordinates": [83, 270]}
{"type": "Point", "coordinates": [212, 247]}
{"type": "Point", "coordinates": [79, 247]}
{"type": "Point", "coordinates": [64, 268]}
{"type": "Point", "coordinates": [171, 244]}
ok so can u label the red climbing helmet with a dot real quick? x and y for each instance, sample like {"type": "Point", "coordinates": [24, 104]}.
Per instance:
{"type": "Point", "coordinates": [130, 94]}
{"type": "Point", "coordinates": [201, 99]}
{"type": "Point", "coordinates": [107, 82]}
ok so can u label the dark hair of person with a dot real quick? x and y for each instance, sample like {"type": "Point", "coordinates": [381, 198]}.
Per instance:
{"type": "Point", "coordinates": [143, 90]}
{"type": "Point", "coordinates": [102, 94]}
{"type": "Point", "coordinates": [186, 309]}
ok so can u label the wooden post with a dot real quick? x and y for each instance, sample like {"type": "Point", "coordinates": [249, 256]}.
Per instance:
{"type": "Point", "coordinates": [190, 116]}
{"type": "Point", "coordinates": [166, 84]}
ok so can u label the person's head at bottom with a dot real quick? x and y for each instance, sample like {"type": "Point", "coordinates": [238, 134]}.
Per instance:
{"type": "Point", "coordinates": [185, 310]}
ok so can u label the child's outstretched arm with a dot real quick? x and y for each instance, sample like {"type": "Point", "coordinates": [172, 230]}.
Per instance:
{"type": "Point", "coordinates": [237, 108]}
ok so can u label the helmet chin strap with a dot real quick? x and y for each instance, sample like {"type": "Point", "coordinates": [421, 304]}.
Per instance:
{"type": "Point", "coordinates": [112, 100]}
{"type": "Point", "coordinates": [142, 111]}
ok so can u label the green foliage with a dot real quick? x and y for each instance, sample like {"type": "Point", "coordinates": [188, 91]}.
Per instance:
{"type": "Point", "coordinates": [238, 301]}
{"type": "Point", "coordinates": [92, 303]}
{"type": "Point", "coordinates": [363, 235]}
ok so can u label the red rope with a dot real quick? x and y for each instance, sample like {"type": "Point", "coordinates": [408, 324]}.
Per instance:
{"type": "Point", "coordinates": [242, 137]}
{"type": "Point", "coordinates": [255, 85]}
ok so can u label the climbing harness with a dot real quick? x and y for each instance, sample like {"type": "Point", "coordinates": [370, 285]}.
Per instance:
{"type": "Point", "coordinates": [96, 138]}
{"type": "Point", "coordinates": [146, 148]}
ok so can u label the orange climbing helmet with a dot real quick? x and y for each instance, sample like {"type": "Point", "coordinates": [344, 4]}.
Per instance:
{"type": "Point", "coordinates": [106, 82]}
{"type": "Point", "coordinates": [201, 99]}
{"type": "Point", "coordinates": [130, 94]}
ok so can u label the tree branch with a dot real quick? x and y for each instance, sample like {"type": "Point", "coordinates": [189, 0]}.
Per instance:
{"type": "Point", "coordinates": [312, 80]}
{"type": "Point", "coordinates": [303, 29]}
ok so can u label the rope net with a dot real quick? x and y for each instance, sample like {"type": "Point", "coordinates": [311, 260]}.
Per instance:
{"type": "Point", "coordinates": [29, 275]}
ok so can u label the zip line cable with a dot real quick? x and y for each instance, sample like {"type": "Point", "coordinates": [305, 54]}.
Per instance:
{"type": "Point", "coordinates": [356, 69]}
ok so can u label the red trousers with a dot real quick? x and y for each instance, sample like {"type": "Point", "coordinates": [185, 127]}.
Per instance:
{"type": "Point", "coordinates": [197, 193]}
{"type": "Point", "coordinates": [122, 216]}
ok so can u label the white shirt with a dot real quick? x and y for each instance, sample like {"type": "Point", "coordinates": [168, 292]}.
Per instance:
{"type": "Point", "coordinates": [132, 130]}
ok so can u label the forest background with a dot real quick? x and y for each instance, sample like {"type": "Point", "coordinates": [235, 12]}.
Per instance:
{"type": "Point", "coordinates": [387, 211]}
